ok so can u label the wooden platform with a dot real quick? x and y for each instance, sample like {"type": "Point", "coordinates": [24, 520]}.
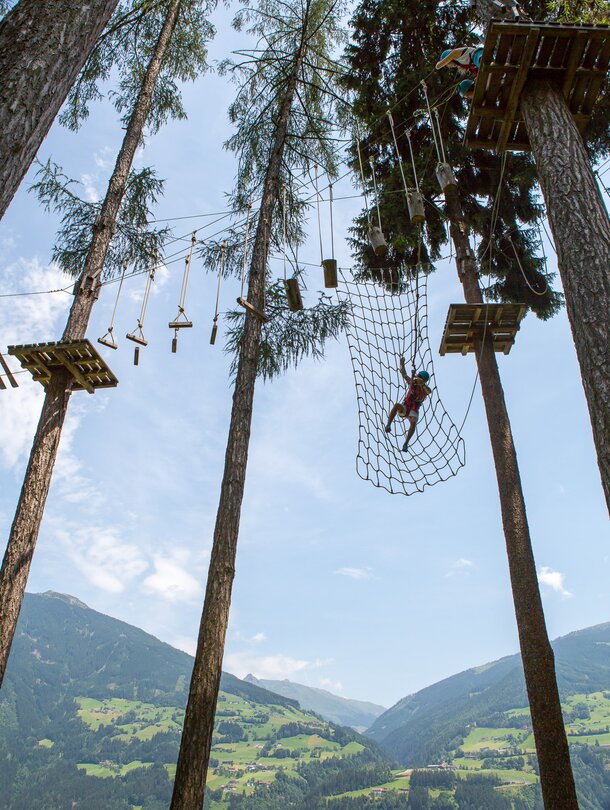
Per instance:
{"type": "Point", "coordinates": [575, 56]}
{"type": "Point", "coordinates": [85, 366]}
{"type": "Point", "coordinates": [467, 321]}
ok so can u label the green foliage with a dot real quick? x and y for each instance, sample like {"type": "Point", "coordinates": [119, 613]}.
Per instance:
{"type": "Point", "coordinates": [288, 337]}
{"type": "Point", "coordinates": [582, 11]}
{"type": "Point", "coordinates": [126, 47]}
{"type": "Point", "coordinates": [292, 58]}
{"type": "Point", "coordinates": [395, 47]}
{"type": "Point", "coordinates": [134, 239]}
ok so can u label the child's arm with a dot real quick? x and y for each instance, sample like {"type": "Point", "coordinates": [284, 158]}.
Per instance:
{"type": "Point", "coordinates": [403, 371]}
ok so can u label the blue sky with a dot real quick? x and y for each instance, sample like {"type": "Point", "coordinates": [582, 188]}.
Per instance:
{"type": "Point", "coordinates": [338, 584]}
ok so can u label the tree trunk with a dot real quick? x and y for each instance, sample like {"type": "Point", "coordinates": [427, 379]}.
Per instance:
{"type": "Point", "coordinates": [581, 230]}
{"type": "Point", "coordinates": [556, 777]}
{"type": "Point", "coordinates": [196, 743]}
{"type": "Point", "coordinates": [43, 46]}
{"type": "Point", "coordinates": [30, 508]}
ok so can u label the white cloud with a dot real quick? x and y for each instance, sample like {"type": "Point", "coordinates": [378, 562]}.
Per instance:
{"type": "Point", "coordinates": [171, 581]}
{"type": "Point", "coordinates": [27, 319]}
{"type": "Point", "coordinates": [104, 158]}
{"type": "Point", "coordinates": [185, 643]}
{"type": "Point", "coordinates": [461, 565]}
{"type": "Point", "coordinates": [89, 181]}
{"type": "Point", "coordinates": [103, 557]}
{"type": "Point", "coordinates": [258, 637]}
{"type": "Point", "coordinates": [273, 667]}
{"type": "Point", "coordinates": [355, 573]}
{"type": "Point", "coordinates": [332, 686]}
{"type": "Point", "coordinates": [553, 580]}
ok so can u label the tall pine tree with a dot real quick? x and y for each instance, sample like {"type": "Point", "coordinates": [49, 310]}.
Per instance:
{"type": "Point", "coordinates": [282, 114]}
{"type": "Point", "coordinates": [95, 240]}
{"type": "Point", "coordinates": [396, 48]}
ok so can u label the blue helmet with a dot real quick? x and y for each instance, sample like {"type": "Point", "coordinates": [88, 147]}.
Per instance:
{"type": "Point", "coordinates": [445, 54]}
{"type": "Point", "coordinates": [424, 375]}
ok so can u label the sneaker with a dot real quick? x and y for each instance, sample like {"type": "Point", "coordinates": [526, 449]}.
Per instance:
{"type": "Point", "coordinates": [388, 428]}
{"type": "Point", "coordinates": [405, 446]}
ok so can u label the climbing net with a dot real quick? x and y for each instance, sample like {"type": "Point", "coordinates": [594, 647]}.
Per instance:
{"type": "Point", "coordinates": [383, 327]}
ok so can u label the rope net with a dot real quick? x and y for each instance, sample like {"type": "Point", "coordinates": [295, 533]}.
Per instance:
{"type": "Point", "coordinates": [383, 327]}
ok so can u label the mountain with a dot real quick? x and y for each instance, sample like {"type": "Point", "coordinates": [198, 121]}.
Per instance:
{"type": "Point", "coordinates": [91, 712]}
{"type": "Point", "coordinates": [422, 727]}
{"type": "Point", "coordinates": [356, 714]}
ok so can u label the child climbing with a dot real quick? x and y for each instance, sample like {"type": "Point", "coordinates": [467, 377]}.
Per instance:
{"type": "Point", "coordinates": [466, 61]}
{"type": "Point", "coordinates": [409, 407]}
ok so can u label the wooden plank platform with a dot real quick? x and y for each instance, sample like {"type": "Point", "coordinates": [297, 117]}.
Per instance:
{"type": "Point", "coordinates": [86, 367]}
{"type": "Point", "coordinates": [465, 322]}
{"type": "Point", "coordinates": [577, 57]}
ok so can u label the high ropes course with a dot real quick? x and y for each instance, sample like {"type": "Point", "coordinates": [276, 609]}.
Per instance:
{"type": "Point", "coordinates": [388, 317]}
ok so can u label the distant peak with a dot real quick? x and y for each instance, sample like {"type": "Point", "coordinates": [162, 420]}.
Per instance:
{"type": "Point", "coordinates": [250, 678]}
{"type": "Point", "coordinates": [64, 597]}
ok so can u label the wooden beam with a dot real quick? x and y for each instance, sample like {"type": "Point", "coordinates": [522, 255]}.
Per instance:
{"type": "Point", "coordinates": [64, 358]}
{"type": "Point", "coordinates": [518, 82]}
{"type": "Point", "coordinates": [8, 373]}
{"type": "Point", "coordinates": [573, 62]}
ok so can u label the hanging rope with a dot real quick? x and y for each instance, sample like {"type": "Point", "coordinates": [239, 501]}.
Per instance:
{"type": "Point", "coordinates": [364, 191]}
{"type": "Point", "coordinates": [546, 286]}
{"type": "Point", "coordinates": [108, 339]}
{"type": "Point", "coordinates": [245, 259]}
{"type": "Point", "coordinates": [284, 228]}
{"type": "Point", "coordinates": [187, 272]}
{"type": "Point", "coordinates": [223, 248]}
{"type": "Point", "coordinates": [398, 156]}
{"type": "Point", "coordinates": [430, 116]}
{"type": "Point", "coordinates": [319, 218]}
{"type": "Point", "coordinates": [412, 160]}
{"type": "Point", "coordinates": [372, 165]}
{"type": "Point", "coordinates": [332, 230]}
{"type": "Point", "coordinates": [380, 323]}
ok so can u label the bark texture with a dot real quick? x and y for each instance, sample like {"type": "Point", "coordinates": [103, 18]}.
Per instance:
{"type": "Point", "coordinates": [30, 508]}
{"type": "Point", "coordinates": [43, 46]}
{"type": "Point", "coordinates": [581, 230]}
{"type": "Point", "coordinates": [558, 789]}
{"type": "Point", "coordinates": [196, 743]}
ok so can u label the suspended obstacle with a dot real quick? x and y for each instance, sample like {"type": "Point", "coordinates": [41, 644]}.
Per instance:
{"type": "Point", "coordinates": [181, 320]}
{"type": "Point", "coordinates": [383, 326]}
{"type": "Point", "coordinates": [291, 285]}
{"type": "Point", "coordinates": [467, 323]}
{"type": "Point", "coordinates": [329, 266]}
{"type": "Point", "coordinates": [8, 373]}
{"type": "Point", "coordinates": [86, 368]}
{"type": "Point", "coordinates": [108, 338]}
{"type": "Point", "coordinates": [575, 56]}
{"type": "Point", "coordinates": [243, 302]}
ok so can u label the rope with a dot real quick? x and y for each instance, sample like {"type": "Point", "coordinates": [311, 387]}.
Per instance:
{"type": "Point", "coordinates": [187, 272]}
{"type": "Point", "coordinates": [372, 165]}
{"type": "Point", "coordinates": [546, 286]}
{"type": "Point", "coordinates": [412, 160]}
{"type": "Point", "coordinates": [379, 322]}
{"type": "Point", "coordinates": [220, 271]}
{"type": "Point", "coordinates": [332, 230]}
{"type": "Point", "coordinates": [243, 266]}
{"type": "Point", "coordinates": [366, 200]}
{"type": "Point", "coordinates": [319, 219]}
{"type": "Point", "coordinates": [399, 158]}
{"type": "Point", "coordinates": [438, 152]}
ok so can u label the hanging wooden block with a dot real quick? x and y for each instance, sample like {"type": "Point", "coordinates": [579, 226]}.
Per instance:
{"type": "Point", "coordinates": [136, 355]}
{"type": "Point", "coordinates": [330, 273]}
{"type": "Point", "coordinates": [214, 333]}
{"type": "Point", "coordinates": [293, 294]}
{"type": "Point", "coordinates": [108, 340]}
{"type": "Point", "coordinates": [243, 302]}
{"type": "Point", "coordinates": [445, 176]}
{"type": "Point", "coordinates": [415, 201]}
{"type": "Point", "coordinates": [8, 373]}
{"type": "Point", "coordinates": [174, 345]}
{"type": "Point", "coordinates": [377, 240]}
{"type": "Point", "coordinates": [137, 338]}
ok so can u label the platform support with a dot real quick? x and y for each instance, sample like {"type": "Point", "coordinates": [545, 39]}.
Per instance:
{"type": "Point", "coordinates": [581, 230]}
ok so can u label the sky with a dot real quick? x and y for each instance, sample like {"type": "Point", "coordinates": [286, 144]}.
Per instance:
{"type": "Point", "coordinates": [339, 585]}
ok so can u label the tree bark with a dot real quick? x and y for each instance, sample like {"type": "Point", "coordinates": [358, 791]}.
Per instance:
{"type": "Point", "coordinates": [30, 508]}
{"type": "Point", "coordinates": [558, 790]}
{"type": "Point", "coordinates": [581, 230]}
{"type": "Point", "coordinates": [43, 46]}
{"type": "Point", "coordinates": [196, 743]}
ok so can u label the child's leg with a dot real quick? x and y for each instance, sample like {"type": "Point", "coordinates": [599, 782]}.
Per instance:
{"type": "Point", "coordinates": [410, 432]}
{"type": "Point", "coordinates": [392, 416]}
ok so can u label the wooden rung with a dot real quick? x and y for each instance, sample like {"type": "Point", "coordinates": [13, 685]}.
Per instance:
{"type": "Point", "coordinates": [139, 340]}
{"type": "Point", "coordinates": [109, 343]}
{"type": "Point", "coordinates": [180, 324]}
{"type": "Point", "coordinates": [251, 308]}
